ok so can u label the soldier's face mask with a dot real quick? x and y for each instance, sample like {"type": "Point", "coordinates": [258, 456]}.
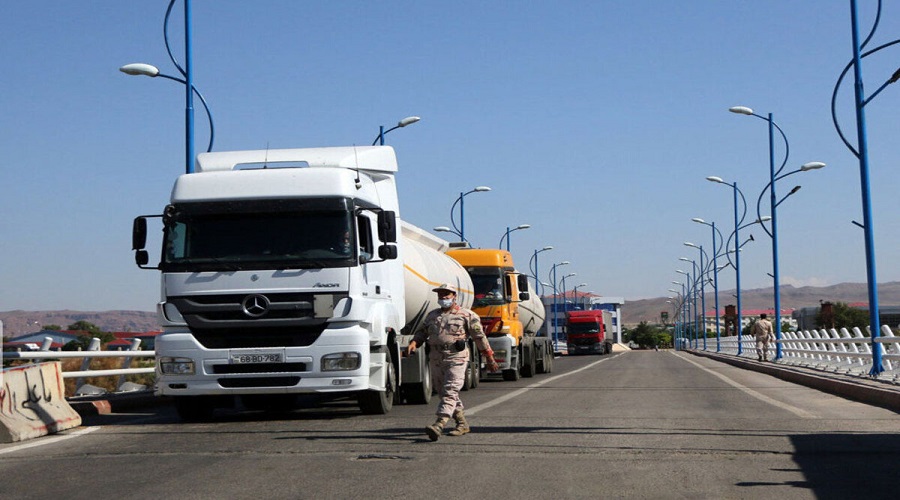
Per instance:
{"type": "Point", "coordinates": [445, 303]}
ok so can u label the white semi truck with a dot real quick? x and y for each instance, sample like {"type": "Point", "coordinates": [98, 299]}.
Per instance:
{"type": "Point", "coordinates": [283, 273]}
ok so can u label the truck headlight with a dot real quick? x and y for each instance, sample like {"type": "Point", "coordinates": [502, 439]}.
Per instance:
{"type": "Point", "coordinates": [341, 361]}
{"type": "Point", "coordinates": [176, 366]}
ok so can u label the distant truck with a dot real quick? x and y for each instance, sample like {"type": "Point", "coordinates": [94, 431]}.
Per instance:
{"type": "Point", "coordinates": [510, 314]}
{"type": "Point", "coordinates": [586, 331]}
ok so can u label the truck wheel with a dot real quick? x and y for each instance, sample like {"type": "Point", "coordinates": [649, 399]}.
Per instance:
{"type": "Point", "coordinates": [467, 382]}
{"type": "Point", "coordinates": [194, 408]}
{"type": "Point", "coordinates": [548, 360]}
{"type": "Point", "coordinates": [380, 402]}
{"type": "Point", "coordinates": [419, 394]}
{"type": "Point", "coordinates": [513, 373]}
{"type": "Point", "coordinates": [528, 368]}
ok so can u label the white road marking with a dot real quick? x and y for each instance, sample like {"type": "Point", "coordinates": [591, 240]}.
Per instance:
{"type": "Point", "coordinates": [49, 440]}
{"type": "Point", "coordinates": [762, 397]}
{"type": "Point", "coordinates": [508, 396]}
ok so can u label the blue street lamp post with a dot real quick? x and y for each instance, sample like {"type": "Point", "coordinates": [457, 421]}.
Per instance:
{"type": "Point", "coordinates": [461, 230]}
{"type": "Point", "coordinates": [715, 265]}
{"type": "Point", "coordinates": [687, 305]}
{"type": "Point", "coordinates": [188, 81]}
{"type": "Point", "coordinates": [575, 295]}
{"type": "Point", "coordinates": [409, 120]}
{"type": "Point", "coordinates": [737, 253]}
{"type": "Point", "coordinates": [773, 204]}
{"type": "Point", "coordinates": [679, 317]}
{"type": "Point", "coordinates": [694, 297]}
{"type": "Point", "coordinates": [565, 302]}
{"type": "Point", "coordinates": [506, 235]}
{"type": "Point", "coordinates": [703, 273]}
{"type": "Point", "coordinates": [153, 72]}
{"type": "Point", "coordinates": [860, 102]}
{"type": "Point", "coordinates": [553, 281]}
{"type": "Point", "coordinates": [533, 267]}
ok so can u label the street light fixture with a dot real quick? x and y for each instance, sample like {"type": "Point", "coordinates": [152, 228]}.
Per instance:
{"type": "Point", "coordinates": [534, 269]}
{"type": "Point", "coordinates": [506, 235]}
{"type": "Point", "coordinates": [461, 230]}
{"type": "Point", "coordinates": [773, 205]}
{"type": "Point", "coordinates": [555, 302]}
{"type": "Point", "coordinates": [188, 81]}
{"type": "Point", "coordinates": [716, 268]}
{"type": "Point", "coordinates": [703, 272]}
{"type": "Point", "coordinates": [696, 315]}
{"type": "Point", "coordinates": [575, 293]}
{"type": "Point", "coordinates": [409, 120]}
{"type": "Point", "coordinates": [737, 253]}
{"type": "Point", "coordinates": [142, 69]}
{"type": "Point", "coordinates": [862, 154]}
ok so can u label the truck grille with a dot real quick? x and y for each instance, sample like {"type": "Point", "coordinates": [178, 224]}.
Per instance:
{"type": "Point", "coordinates": [271, 320]}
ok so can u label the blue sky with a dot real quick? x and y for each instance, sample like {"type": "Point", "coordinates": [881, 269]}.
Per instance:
{"type": "Point", "coordinates": [596, 122]}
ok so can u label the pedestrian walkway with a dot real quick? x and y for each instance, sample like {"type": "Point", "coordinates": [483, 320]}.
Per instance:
{"type": "Point", "coordinates": [863, 389]}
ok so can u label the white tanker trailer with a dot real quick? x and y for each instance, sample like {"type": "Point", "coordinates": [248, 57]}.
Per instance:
{"type": "Point", "coordinates": [283, 274]}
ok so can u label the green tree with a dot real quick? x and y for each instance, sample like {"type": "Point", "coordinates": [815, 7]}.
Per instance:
{"type": "Point", "coordinates": [844, 317]}
{"type": "Point", "coordinates": [84, 340]}
{"type": "Point", "coordinates": [84, 326]}
{"type": "Point", "coordinates": [54, 328]}
{"type": "Point", "coordinates": [647, 336]}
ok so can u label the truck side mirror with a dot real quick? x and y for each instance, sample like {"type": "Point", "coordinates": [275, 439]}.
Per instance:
{"type": "Point", "coordinates": [387, 252]}
{"type": "Point", "coordinates": [141, 258]}
{"type": "Point", "coordinates": [139, 234]}
{"type": "Point", "coordinates": [387, 226]}
{"type": "Point", "coordinates": [522, 283]}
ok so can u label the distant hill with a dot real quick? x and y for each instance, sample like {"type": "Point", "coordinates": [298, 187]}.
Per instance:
{"type": "Point", "coordinates": [635, 311]}
{"type": "Point", "coordinates": [16, 323]}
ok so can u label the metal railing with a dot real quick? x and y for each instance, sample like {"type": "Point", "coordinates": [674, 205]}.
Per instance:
{"type": "Point", "coordinates": [93, 351]}
{"type": "Point", "coordinates": [836, 351]}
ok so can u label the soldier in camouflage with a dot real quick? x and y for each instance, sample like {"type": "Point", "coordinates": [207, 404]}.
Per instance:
{"type": "Point", "coordinates": [446, 330]}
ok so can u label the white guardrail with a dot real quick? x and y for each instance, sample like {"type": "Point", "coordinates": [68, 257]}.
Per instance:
{"type": "Point", "coordinates": [92, 352]}
{"type": "Point", "coordinates": [828, 350]}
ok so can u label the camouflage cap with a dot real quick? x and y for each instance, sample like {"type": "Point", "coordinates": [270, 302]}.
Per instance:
{"type": "Point", "coordinates": [444, 287]}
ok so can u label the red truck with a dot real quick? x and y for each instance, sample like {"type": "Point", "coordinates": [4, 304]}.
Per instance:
{"type": "Point", "coordinates": [586, 331]}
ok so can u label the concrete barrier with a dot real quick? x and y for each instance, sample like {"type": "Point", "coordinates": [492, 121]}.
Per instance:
{"type": "Point", "coordinates": [33, 403]}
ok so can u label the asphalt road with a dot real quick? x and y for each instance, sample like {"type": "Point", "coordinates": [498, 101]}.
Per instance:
{"type": "Point", "coordinates": [639, 424]}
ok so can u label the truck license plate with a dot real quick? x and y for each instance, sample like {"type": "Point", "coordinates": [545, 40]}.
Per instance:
{"type": "Point", "coordinates": [246, 358]}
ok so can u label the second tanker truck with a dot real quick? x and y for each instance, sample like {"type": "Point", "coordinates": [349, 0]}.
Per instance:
{"type": "Point", "coordinates": [510, 314]}
{"type": "Point", "coordinates": [289, 271]}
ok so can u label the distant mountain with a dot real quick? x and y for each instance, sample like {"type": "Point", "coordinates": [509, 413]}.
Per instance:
{"type": "Point", "coordinates": [635, 311]}
{"type": "Point", "coordinates": [16, 323]}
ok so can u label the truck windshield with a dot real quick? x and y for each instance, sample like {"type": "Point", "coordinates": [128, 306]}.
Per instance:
{"type": "Point", "coordinates": [581, 328]}
{"type": "Point", "coordinates": [488, 283]}
{"type": "Point", "coordinates": [209, 240]}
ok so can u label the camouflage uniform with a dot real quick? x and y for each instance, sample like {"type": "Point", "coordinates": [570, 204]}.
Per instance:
{"type": "Point", "coordinates": [442, 329]}
{"type": "Point", "coordinates": [762, 330]}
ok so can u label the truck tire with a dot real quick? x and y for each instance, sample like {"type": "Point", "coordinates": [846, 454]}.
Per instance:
{"type": "Point", "coordinates": [420, 393]}
{"type": "Point", "coordinates": [380, 402]}
{"type": "Point", "coordinates": [194, 408]}
{"type": "Point", "coordinates": [512, 374]}
{"type": "Point", "coordinates": [548, 359]}
{"type": "Point", "coordinates": [528, 367]}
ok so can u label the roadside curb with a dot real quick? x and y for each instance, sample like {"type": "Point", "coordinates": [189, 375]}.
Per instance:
{"type": "Point", "coordinates": [115, 403]}
{"type": "Point", "coordinates": [869, 391]}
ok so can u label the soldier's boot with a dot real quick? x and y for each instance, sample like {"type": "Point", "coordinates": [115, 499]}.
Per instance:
{"type": "Point", "coordinates": [435, 430]}
{"type": "Point", "coordinates": [462, 427]}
